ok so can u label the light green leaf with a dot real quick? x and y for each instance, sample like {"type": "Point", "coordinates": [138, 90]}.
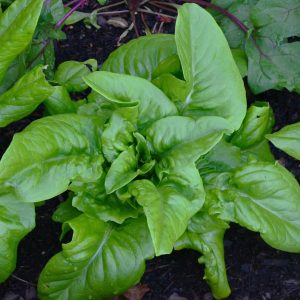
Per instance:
{"type": "Point", "coordinates": [118, 134]}
{"type": "Point", "coordinates": [129, 91]}
{"type": "Point", "coordinates": [258, 122]}
{"type": "Point", "coordinates": [59, 102]}
{"type": "Point", "coordinates": [241, 61]}
{"type": "Point", "coordinates": [264, 197]}
{"type": "Point", "coordinates": [92, 265]}
{"type": "Point", "coordinates": [70, 74]}
{"type": "Point", "coordinates": [205, 234]}
{"type": "Point", "coordinates": [17, 25]}
{"type": "Point", "coordinates": [24, 97]}
{"type": "Point", "coordinates": [287, 139]}
{"type": "Point", "coordinates": [277, 19]}
{"type": "Point", "coordinates": [185, 139]}
{"type": "Point", "coordinates": [273, 65]}
{"type": "Point", "coordinates": [124, 169]}
{"type": "Point", "coordinates": [210, 92]}
{"type": "Point", "coordinates": [173, 87]}
{"type": "Point", "coordinates": [16, 220]}
{"type": "Point", "coordinates": [170, 65]}
{"type": "Point", "coordinates": [76, 16]}
{"type": "Point", "coordinates": [140, 57]}
{"type": "Point", "coordinates": [167, 210]}
{"type": "Point", "coordinates": [51, 152]}
{"type": "Point", "coordinates": [65, 211]}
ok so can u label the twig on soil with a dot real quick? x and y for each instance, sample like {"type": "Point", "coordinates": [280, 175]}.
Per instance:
{"type": "Point", "coordinates": [155, 13]}
{"type": "Point", "coordinates": [162, 5]}
{"type": "Point", "coordinates": [147, 28]}
{"type": "Point", "coordinates": [111, 13]}
{"type": "Point", "coordinates": [110, 6]}
{"type": "Point", "coordinates": [22, 280]}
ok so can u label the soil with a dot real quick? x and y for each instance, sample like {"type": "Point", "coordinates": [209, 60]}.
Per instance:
{"type": "Point", "coordinates": [255, 270]}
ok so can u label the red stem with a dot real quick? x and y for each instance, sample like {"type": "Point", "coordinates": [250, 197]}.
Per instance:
{"type": "Point", "coordinates": [223, 11]}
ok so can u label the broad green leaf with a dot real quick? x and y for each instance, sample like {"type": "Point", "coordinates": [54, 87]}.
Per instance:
{"type": "Point", "coordinates": [222, 158]}
{"type": "Point", "coordinates": [167, 210]}
{"type": "Point", "coordinates": [264, 197]}
{"type": "Point", "coordinates": [173, 87]}
{"type": "Point", "coordinates": [59, 102]}
{"type": "Point", "coordinates": [17, 25]}
{"type": "Point", "coordinates": [51, 152]}
{"type": "Point", "coordinates": [240, 59]}
{"type": "Point", "coordinates": [210, 92]}
{"type": "Point", "coordinates": [70, 74]}
{"type": "Point", "coordinates": [241, 9]}
{"type": "Point", "coordinates": [277, 19]}
{"type": "Point", "coordinates": [92, 265]}
{"type": "Point", "coordinates": [287, 139]}
{"type": "Point", "coordinates": [184, 138]}
{"type": "Point", "coordinates": [259, 152]}
{"type": "Point", "coordinates": [124, 169]}
{"type": "Point", "coordinates": [170, 65]}
{"type": "Point", "coordinates": [140, 57]}
{"type": "Point", "coordinates": [24, 97]}
{"type": "Point", "coordinates": [205, 234]}
{"type": "Point", "coordinates": [129, 91]}
{"type": "Point", "coordinates": [16, 220]}
{"type": "Point", "coordinates": [258, 122]}
{"type": "Point", "coordinates": [65, 211]}
{"type": "Point", "coordinates": [273, 65]}
{"type": "Point", "coordinates": [118, 134]}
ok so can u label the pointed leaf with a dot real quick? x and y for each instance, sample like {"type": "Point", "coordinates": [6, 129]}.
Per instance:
{"type": "Point", "coordinates": [92, 264]}
{"type": "Point", "coordinates": [52, 152]}
{"type": "Point", "coordinates": [17, 25]}
{"type": "Point", "coordinates": [287, 139]}
{"type": "Point", "coordinates": [210, 92]}
{"type": "Point", "coordinates": [24, 97]}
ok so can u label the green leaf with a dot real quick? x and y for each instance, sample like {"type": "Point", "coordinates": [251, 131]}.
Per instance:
{"type": "Point", "coordinates": [174, 88]}
{"type": "Point", "coordinates": [52, 152]}
{"type": "Point", "coordinates": [205, 234]}
{"type": "Point", "coordinates": [59, 102]}
{"type": "Point", "coordinates": [264, 197]}
{"type": "Point", "coordinates": [170, 65]}
{"type": "Point", "coordinates": [17, 25]}
{"type": "Point", "coordinates": [93, 201]}
{"type": "Point", "coordinates": [129, 91]}
{"type": "Point", "coordinates": [70, 74]}
{"type": "Point", "coordinates": [124, 169]}
{"type": "Point", "coordinates": [277, 19]}
{"type": "Point", "coordinates": [258, 122]}
{"type": "Point", "coordinates": [140, 57]}
{"type": "Point", "coordinates": [24, 97]}
{"type": "Point", "coordinates": [240, 59]}
{"type": "Point", "coordinates": [118, 134]}
{"type": "Point", "coordinates": [210, 93]}
{"type": "Point", "coordinates": [287, 139]}
{"type": "Point", "coordinates": [273, 65]}
{"type": "Point", "coordinates": [184, 138]}
{"type": "Point", "coordinates": [92, 265]}
{"type": "Point", "coordinates": [16, 220]}
{"type": "Point", "coordinates": [76, 17]}
{"type": "Point", "coordinates": [65, 211]}
{"type": "Point", "coordinates": [167, 210]}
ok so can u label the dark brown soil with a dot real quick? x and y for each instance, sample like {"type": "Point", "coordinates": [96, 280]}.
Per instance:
{"type": "Point", "coordinates": [255, 270]}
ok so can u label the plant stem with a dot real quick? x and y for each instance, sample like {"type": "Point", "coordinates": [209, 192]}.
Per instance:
{"type": "Point", "coordinates": [223, 11]}
{"type": "Point", "coordinates": [111, 13]}
{"type": "Point", "coordinates": [69, 13]}
{"type": "Point", "coordinates": [155, 13]}
{"type": "Point", "coordinates": [110, 6]}
{"type": "Point", "coordinates": [162, 6]}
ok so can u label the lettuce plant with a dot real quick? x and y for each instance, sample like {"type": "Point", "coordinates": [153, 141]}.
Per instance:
{"type": "Point", "coordinates": [162, 155]}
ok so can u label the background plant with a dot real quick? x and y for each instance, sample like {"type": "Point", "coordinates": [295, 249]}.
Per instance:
{"type": "Point", "coordinates": [147, 171]}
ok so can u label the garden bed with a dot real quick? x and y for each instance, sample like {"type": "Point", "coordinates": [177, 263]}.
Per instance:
{"type": "Point", "coordinates": [255, 270]}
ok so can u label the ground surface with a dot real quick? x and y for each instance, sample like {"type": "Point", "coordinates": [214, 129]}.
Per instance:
{"type": "Point", "coordinates": [255, 270]}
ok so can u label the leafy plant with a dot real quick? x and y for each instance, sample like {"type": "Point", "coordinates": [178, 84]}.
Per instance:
{"type": "Point", "coordinates": [163, 154]}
